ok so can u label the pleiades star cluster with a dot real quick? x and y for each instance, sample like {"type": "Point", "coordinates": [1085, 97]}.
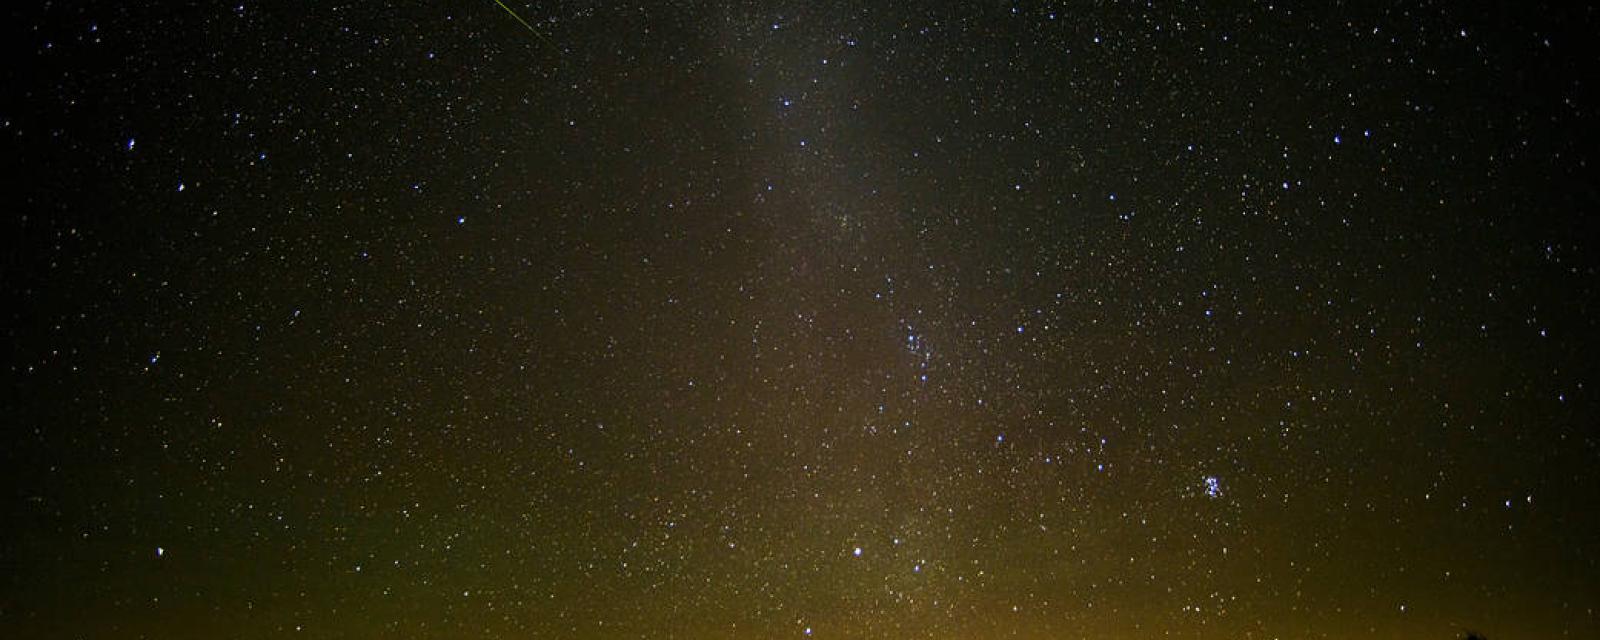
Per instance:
{"type": "Point", "coordinates": [679, 319]}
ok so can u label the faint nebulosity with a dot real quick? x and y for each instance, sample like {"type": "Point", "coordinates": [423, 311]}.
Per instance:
{"type": "Point", "coordinates": [787, 320]}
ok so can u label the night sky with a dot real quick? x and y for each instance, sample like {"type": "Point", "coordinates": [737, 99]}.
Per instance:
{"type": "Point", "coordinates": [776, 320]}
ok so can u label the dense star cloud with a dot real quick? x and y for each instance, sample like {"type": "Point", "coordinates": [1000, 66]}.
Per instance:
{"type": "Point", "coordinates": [768, 320]}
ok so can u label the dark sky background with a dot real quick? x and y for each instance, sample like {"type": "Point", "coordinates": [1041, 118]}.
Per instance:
{"type": "Point", "coordinates": [776, 320]}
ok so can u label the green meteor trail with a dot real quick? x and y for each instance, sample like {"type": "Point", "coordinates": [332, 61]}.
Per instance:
{"type": "Point", "coordinates": [530, 28]}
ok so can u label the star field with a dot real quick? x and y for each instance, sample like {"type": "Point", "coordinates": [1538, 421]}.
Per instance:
{"type": "Point", "coordinates": [800, 320]}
